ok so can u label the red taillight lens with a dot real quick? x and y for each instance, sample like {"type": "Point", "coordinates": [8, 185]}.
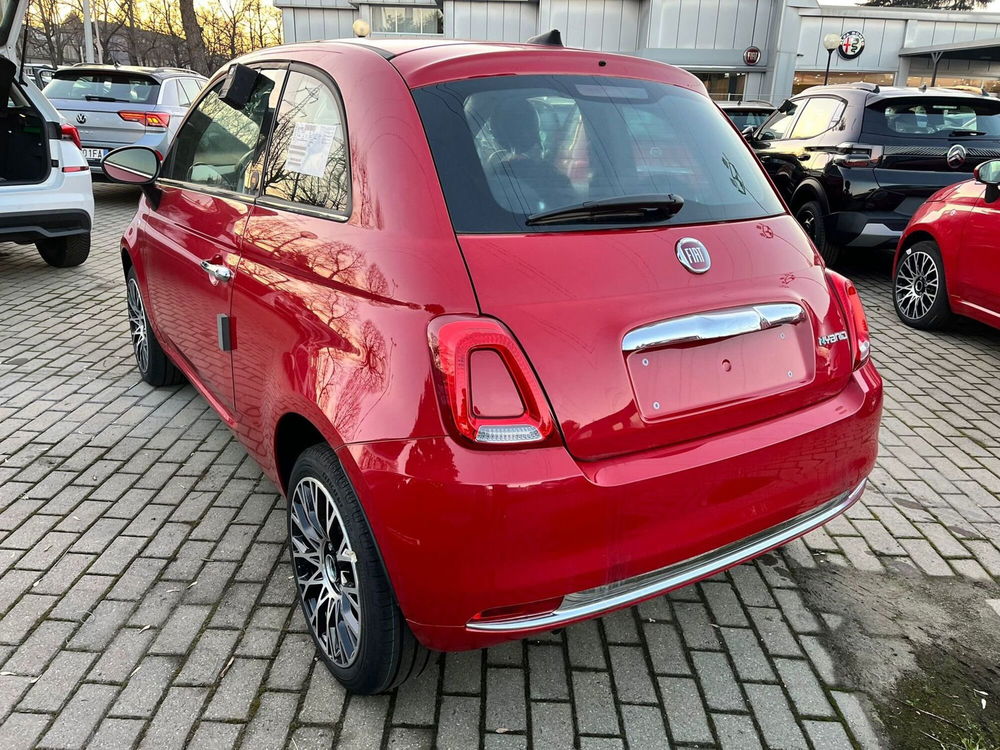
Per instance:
{"type": "Point", "coordinates": [70, 133]}
{"type": "Point", "coordinates": [148, 119]}
{"type": "Point", "coordinates": [857, 322]}
{"type": "Point", "coordinates": [491, 391]}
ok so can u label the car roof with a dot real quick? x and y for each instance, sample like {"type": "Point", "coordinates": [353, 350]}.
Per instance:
{"type": "Point", "coordinates": [157, 73]}
{"type": "Point", "coordinates": [873, 92]}
{"type": "Point", "coordinates": [750, 106]}
{"type": "Point", "coordinates": [427, 61]}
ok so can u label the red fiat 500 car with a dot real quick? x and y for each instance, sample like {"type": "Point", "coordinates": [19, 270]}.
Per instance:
{"type": "Point", "coordinates": [523, 334]}
{"type": "Point", "coordinates": [948, 259]}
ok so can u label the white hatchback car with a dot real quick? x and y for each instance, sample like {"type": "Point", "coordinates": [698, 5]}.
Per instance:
{"type": "Point", "coordinates": [45, 193]}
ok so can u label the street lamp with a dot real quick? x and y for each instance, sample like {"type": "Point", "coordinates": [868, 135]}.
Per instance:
{"type": "Point", "coordinates": [830, 42]}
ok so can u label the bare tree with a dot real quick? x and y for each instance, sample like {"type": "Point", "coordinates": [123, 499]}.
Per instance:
{"type": "Point", "coordinates": [192, 33]}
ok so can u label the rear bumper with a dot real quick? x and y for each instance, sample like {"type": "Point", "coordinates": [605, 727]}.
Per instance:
{"type": "Point", "coordinates": [463, 530]}
{"type": "Point", "coordinates": [29, 226]}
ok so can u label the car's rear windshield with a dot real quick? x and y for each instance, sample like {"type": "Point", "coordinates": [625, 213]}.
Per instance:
{"type": "Point", "coordinates": [102, 87]}
{"type": "Point", "coordinates": [929, 117]}
{"type": "Point", "coordinates": [511, 147]}
{"type": "Point", "coordinates": [744, 118]}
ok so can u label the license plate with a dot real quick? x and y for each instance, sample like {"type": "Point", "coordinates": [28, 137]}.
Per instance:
{"type": "Point", "coordinates": [94, 154]}
{"type": "Point", "coordinates": [679, 379]}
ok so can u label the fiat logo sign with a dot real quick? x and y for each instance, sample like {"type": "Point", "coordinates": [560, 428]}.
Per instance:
{"type": "Point", "coordinates": [956, 156]}
{"type": "Point", "coordinates": [751, 55]}
{"type": "Point", "coordinates": [693, 255]}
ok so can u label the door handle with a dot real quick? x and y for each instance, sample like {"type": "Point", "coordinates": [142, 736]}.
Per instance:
{"type": "Point", "coordinates": [218, 271]}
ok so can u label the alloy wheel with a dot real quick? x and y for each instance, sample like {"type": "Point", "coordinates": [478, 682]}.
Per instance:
{"type": "Point", "coordinates": [917, 284]}
{"type": "Point", "coordinates": [137, 325]}
{"type": "Point", "coordinates": [325, 567]}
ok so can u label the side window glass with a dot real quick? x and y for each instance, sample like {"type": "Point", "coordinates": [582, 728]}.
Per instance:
{"type": "Point", "coordinates": [780, 123]}
{"type": "Point", "coordinates": [217, 143]}
{"type": "Point", "coordinates": [183, 95]}
{"type": "Point", "coordinates": [308, 156]}
{"type": "Point", "coordinates": [192, 87]}
{"type": "Point", "coordinates": [817, 117]}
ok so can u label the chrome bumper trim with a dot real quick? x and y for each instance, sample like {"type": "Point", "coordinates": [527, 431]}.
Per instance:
{"type": "Point", "coordinates": [717, 324]}
{"type": "Point", "coordinates": [603, 598]}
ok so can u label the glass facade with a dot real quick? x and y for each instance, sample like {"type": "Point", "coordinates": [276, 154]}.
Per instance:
{"type": "Point", "coordinates": [806, 78]}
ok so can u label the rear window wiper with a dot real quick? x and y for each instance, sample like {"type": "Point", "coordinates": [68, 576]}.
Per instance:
{"type": "Point", "coordinates": [96, 98]}
{"type": "Point", "coordinates": [645, 208]}
{"type": "Point", "coordinates": [967, 132]}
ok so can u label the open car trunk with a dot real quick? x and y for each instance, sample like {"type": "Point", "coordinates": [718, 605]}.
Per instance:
{"type": "Point", "coordinates": [24, 148]}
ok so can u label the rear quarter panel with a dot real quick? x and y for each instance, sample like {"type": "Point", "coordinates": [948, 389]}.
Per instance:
{"type": "Point", "coordinates": [331, 316]}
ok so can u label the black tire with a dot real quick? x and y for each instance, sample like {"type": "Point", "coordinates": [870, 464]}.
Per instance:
{"type": "Point", "coordinates": [153, 365]}
{"type": "Point", "coordinates": [385, 653]}
{"type": "Point", "coordinates": [811, 216]}
{"type": "Point", "coordinates": [919, 288]}
{"type": "Point", "coordinates": [64, 252]}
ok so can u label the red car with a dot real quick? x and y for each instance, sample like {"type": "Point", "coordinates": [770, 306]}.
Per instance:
{"type": "Point", "coordinates": [948, 259]}
{"type": "Point", "coordinates": [498, 397]}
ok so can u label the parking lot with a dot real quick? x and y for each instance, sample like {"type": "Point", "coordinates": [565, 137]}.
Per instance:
{"type": "Point", "coordinates": [147, 598]}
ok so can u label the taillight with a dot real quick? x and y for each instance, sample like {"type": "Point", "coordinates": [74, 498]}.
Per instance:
{"type": "Point", "coordinates": [857, 155]}
{"type": "Point", "coordinates": [491, 391]}
{"type": "Point", "coordinates": [857, 322]}
{"type": "Point", "coordinates": [69, 133]}
{"type": "Point", "coordinates": [148, 119]}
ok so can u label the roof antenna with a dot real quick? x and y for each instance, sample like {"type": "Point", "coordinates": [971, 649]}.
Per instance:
{"type": "Point", "coordinates": [550, 38]}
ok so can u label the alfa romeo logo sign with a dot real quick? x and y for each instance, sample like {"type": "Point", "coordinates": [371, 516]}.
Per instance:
{"type": "Point", "coordinates": [852, 44]}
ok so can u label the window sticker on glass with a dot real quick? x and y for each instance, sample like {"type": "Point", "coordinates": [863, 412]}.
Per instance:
{"type": "Point", "coordinates": [310, 148]}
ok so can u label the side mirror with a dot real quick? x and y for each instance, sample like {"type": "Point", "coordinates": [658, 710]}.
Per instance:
{"type": "Point", "coordinates": [135, 165]}
{"type": "Point", "coordinates": [988, 172]}
{"type": "Point", "coordinates": [748, 132]}
{"type": "Point", "coordinates": [786, 106]}
{"type": "Point", "coordinates": [132, 165]}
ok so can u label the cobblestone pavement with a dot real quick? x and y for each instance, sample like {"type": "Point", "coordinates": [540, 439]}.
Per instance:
{"type": "Point", "coordinates": [147, 601]}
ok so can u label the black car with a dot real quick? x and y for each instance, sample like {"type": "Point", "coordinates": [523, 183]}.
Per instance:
{"type": "Point", "coordinates": [855, 161]}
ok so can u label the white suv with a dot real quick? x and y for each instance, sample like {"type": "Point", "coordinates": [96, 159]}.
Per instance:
{"type": "Point", "coordinates": [45, 191]}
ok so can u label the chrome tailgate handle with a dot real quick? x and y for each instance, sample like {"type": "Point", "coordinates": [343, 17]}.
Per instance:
{"type": "Point", "coordinates": [217, 271]}
{"type": "Point", "coordinates": [712, 325]}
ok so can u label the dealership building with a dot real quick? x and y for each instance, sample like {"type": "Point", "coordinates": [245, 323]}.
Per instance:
{"type": "Point", "coordinates": [751, 49]}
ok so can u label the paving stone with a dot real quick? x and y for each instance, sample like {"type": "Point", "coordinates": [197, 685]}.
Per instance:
{"type": "Point", "coordinates": [115, 734]}
{"type": "Point", "coordinates": [146, 686]}
{"type": "Point", "coordinates": [463, 672]}
{"type": "Point", "coordinates": [78, 720]}
{"type": "Point", "coordinates": [685, 713]}
{"type": "Point", "coordinates": [828, 735]}
{"type": "Point", "coordinates": [595, 713]}
{"type": "Point", "coordinates": [551, 724]}
{"type": "Point", "coordinates": [776, 720]}
{"type": "Point", "coordinates": [213, 735]}
{"type": "Point", "coordinates": [737, 732]}
{"type": "Point", "coordinates": [722, 692]}
{"type": "Point", "coordinates": [547, 667]}
{"type": "Point", "coordinates": [324, 699]}
{"type": "Point", "coordinates": [364, 723]}
{"type": "Point", "coordinates": [58, 682]}
{"type": "Point", "coordinates": [724, 604]}
{"type": "Point", "coordinates": [21, 731]}
{"type": "Point", "coordinates": [747, 655]}
{"type": "Point", "coordinates": [174, 718]}
{"type": "Point", "coordinates": [272, 721]}
{"type": "Point", "coordinates": [458, 723]}
{"type": "Point", "coordinates": [505, 699]}
{"type": "Point", "coordinates": [633, 683]}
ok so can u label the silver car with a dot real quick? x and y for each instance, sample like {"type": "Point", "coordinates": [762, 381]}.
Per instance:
{"type": "Point", "coordinates": [114, 106]}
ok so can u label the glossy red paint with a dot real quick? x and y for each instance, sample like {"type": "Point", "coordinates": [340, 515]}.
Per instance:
{"type": "Point", "coordinates": [330, 325]}
{"type": "Point", "coordinates": [964, 221]}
